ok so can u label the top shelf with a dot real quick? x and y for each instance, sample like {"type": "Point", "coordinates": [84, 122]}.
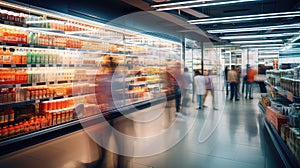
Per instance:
{"type": "Point", "coordinates": [288, 95]}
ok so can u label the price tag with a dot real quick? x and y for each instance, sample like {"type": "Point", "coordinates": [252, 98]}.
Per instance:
{"type": "Point", "coordinates": [29, 65]}
{"type": "Point", "coordinates": [31, 46]}
{"type": "Point", "coordinates": [65, 96]}
{"type": "Point", "coordinates": [49, 47]}
{"type": "Point", "coordinates": [19, 45]}
{"type": "Point", "coordinates": [37, 101]}
{"type": "Point", "coordinates": [13, 65]}
{"type": "Point", "coordinates": [56, 48]}
{"type": "Point", "coordinates": [18, 85]}
{"type": "Point", "coordinates": [37, 65]}
{"type": "Point", "coordinates": [46, 65]}
{"type": "Point", "coordinates": [50, 99]}
{"type": "Point", "coordinates": [1, 65]}
{"type": "Point", "coordinates": [33, 84]}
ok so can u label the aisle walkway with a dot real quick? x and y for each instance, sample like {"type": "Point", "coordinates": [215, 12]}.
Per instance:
{"type": "Point", "coordinates": [231, 137]}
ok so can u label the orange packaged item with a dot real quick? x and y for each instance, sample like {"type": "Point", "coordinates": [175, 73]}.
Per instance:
{"type": "Point", "coordinates": [17, 129]}
{"type": "Point", "coordinates": [26, 126]}
{"type": "Point", "coordinates": [11, 130]}
{"type": "Point", "coordinates": [4, 132]}
{"type": "Point", "coordinates": [58, 117]}
{"type": "Point", "coordinates": [54, 122]}
{"type": "Point", "coordinates": [63, 116]}
{"type": "Point", "coordinates": [31, 125]}
{"type": "Point", "coordinates": [21, 125]}
{"type": "Point", "coordinates": [44, 122]}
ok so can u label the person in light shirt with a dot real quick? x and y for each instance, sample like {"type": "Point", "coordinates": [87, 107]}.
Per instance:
{"type": "Point", "coordinates": [200, 88]}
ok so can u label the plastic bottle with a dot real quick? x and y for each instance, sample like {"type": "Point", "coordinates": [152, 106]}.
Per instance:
{"type": "Point", "coordinates": [5, 116]}
{"type": "Point", "coordinates": [11, 130]}
{"type": "Point", "coordinates": [2, 117]}
{"type": "Point", "coordinates": [21, 127]}
{"type": "Point", "coordinates": [26, 126]}
{"type": "Point", "coordinates": [17, 129]}
{"type": "Point", "coordinates": [0, 133]}
{"type": "Point", "coordinates": [4, 132]}
{"type": "Point", "coordinates": [11, 115]}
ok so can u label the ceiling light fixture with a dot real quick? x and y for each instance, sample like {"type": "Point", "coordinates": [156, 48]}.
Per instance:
{"type": "Point", "coordinates": [245, 18]}
{"type": "Point", "coordinates": [200, 5]}
{"type": "Point", "coordinates": [262, 45]}
{"type": "Point", "coordinates": [256, 41]}
{"type": "Point", "coordinates": [180, 3]}
{"type": "Point", "coordinates": [258, 36]}
{"type": "Point", "coordinates": [289, 26]}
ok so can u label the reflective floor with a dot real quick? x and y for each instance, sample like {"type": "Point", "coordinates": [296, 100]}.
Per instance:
{"type": "Point", "coordinates": [231, 136]}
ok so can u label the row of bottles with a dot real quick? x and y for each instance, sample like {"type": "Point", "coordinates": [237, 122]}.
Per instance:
{"type": "Point", "coordinates": [7, 115]}
{"type": "Point", "coordinates": [33, 124]}
{"type": "Point", "coordinates": [12, 17]}
{"type": "Point", "coordinates": [9, 55]}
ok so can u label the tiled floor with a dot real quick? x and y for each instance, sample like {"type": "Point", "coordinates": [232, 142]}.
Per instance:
{"type": "Point", "coordinates": [231, 137]}
{"type": "Point", "coordinates": [239, 140]}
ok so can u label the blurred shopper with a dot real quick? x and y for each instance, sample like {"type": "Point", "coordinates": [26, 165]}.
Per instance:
{"type": "Point", "coordinates": [209, 88]}
{"type": "Point", "coordinates": [225, 79]}
{"type": "Point", "coordinates": [187, 87]}
{"type": "Point", "coordinates": [200, 88]}
{"type": "Point", "coordinates": [250, 80]}
{"type": "Point", "coordinates": [232, 79]}
{"type": "Point", "coordinates": [238, 71]}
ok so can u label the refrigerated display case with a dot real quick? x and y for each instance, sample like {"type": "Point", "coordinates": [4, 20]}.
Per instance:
{"type": "Point", "coordinates": [55, 69]}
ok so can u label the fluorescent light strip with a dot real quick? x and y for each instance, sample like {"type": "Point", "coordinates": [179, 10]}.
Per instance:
{"type": "Point", "coordinates": [179, 3]}
{"type": "Point", "coordinates": [258, 36]}
{"type": "Point", "coordinates": [245, 16]}
{"type": "Point", "coordinates": [295, 39]}
{"type": "Point", "coordinates": [262, 45]}
{"type": "Point", "coordinates": [204, 5]}
{"type": "Point", "coordinates": [290, 26]}
{"type": "Point", "coordinates": [256, 41]}
{"type": "Point", "coordinates": [245, 19]}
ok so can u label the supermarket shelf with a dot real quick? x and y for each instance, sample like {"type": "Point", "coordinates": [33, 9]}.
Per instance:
{"type": "Point", "coordinates": [286, 155]}
{"type": "Point", "coordinates": [46, 65]}
{"type": "Point", "coordinates": [31, 138]}
{"type": "Point", "coordinates": [14, 104]}
{"type": "Point", "coordinates": [13, 24]}
{"type": "Point", "coordinates": [42, 83]}
{"type": "Point", "coordinates": [284, 93]}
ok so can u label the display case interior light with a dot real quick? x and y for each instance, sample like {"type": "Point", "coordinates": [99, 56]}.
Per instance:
{"type": "Point", "coordinates": [249, 29]}
{"type": "Point", "coordinates": [256, 41]}
{"type": "Point", "coordinates": [245, 18]}
{"type": "Point", "coordinates": [258, 36]}
{"type": "Point", "coordinates": [200, 4]}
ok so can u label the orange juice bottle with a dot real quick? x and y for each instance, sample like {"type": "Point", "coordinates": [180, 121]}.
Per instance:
{"type": "Point", "coordinates": [7, 56]}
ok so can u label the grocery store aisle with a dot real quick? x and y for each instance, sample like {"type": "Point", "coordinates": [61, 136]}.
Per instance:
{"type": "Point", "coordinates": [232, 136]}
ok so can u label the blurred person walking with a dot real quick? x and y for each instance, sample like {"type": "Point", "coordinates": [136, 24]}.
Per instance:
{"type": "Point", "coordinates": [250, 80]}
{"type": "Point", "coordinates": [200, 88]}
{"type": "Point", "coordinates": [232, 78]}
{"type": "Point", "coordinates": [209, 88]}
{"type": "Point", "coordinates": [188, 80]}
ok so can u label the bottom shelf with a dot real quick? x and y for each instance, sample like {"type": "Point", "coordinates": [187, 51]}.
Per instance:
{"type": "Point", "coordinates": [284, 152]}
